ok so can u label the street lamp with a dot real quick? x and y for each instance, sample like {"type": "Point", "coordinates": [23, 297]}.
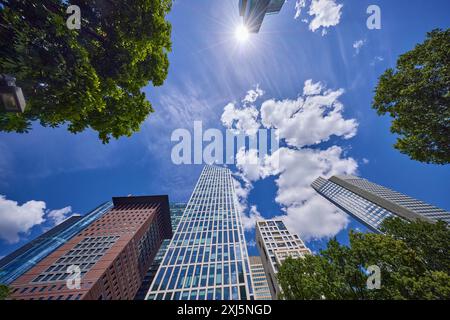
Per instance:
{"type": "Point", "coordinates": [11, 97]}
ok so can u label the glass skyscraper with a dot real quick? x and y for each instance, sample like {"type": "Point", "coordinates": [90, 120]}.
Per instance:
{"type": "Point", "coordinates": [371, 203]}
{"type": "Point", "coordinates": [254, 11]}
{"type": "Point", "coordinates": [176, 212]}
{"type": "Point", "coordinates": [207, 258]}
{"type": "Point", "coordinates": [20, 261]}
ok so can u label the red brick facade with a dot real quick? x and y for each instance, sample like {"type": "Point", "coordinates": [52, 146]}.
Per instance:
{"type": "Point", "coordinates": [113, 253]}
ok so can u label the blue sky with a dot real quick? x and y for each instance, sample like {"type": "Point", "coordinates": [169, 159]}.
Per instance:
{"type": "Point", "coordinates": [50, 169]}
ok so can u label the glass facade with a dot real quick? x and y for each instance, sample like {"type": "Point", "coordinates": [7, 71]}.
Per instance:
{"type": "Point", "coordinates": [371, 203]}
{"type": "Point", "coordinates": [207, 258]}
{"type": "Point", "coordinates": [254, 11]}
{"type": "Point", "coordinates": [176, 212]}
{"type": "Point", "coordinates": [44, 245]}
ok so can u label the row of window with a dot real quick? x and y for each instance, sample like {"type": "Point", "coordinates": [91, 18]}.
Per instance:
{"type": "Point", "coordinates": [207, 275]}
{"type": "Point", "coordinates": [209, 231]}
{"type": "Point", "coordinates": [218, 293]}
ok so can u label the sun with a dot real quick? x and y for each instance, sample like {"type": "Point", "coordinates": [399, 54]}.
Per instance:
{"type": "Point", "coordinates": [242, 33]}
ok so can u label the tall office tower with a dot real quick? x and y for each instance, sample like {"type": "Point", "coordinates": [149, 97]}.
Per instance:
{"type": "Point", "coordinates": [260, 284]}
{"type": "Point", "coordinates": [371, 203]}
{"type": "Point", "coordinates": [109, 258]}
{"type": "Point", "coordinates": [254, 12]}
{"type": "Point", "coordinates": [176, 212]}
{"type": "Point", "coordinates": [23, 259]}
{"type": "Point", "coordinates": [275, 243]}
{"type": "Point", "coordinates": [207, 257]}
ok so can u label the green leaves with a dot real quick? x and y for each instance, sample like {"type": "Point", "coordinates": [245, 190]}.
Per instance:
{"type": "Point", "coordinates": [413, 259]}
{"type": "Point", "coordinates": [4, 292]}
{"type": "Point", "coordinates": [90, 78]}
{"type": "Point", "coordinates": [416, 95]}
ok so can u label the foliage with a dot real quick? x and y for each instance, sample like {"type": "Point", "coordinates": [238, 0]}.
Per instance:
{"type": "Point", "coordinates": [87, 78]}
{"type": "Point", "coordinates": [417, 97]}
{"type": "Point", "coordinates": [413, 259]}
{"type": "Point", "coordinates": [4, 292]}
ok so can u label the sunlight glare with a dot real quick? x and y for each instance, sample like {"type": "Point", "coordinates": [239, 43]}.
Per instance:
{"type": "Point", "coordinates": [242, 33]}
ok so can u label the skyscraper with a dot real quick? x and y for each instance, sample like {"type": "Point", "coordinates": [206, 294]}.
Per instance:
{"type": "Point", "coordinates": [23, 259]}
{"type": "Point", "coordinates": [259, 279]}
{"type": "Point", "coordinates": [111, 255]}
{"type": "Point", "coordinates": [275, 243]}
{"type": "Point", "coordinates": [371, 203]}
{"type": "Point", "coordinates": [207, 257]}
{"type": "Point", "coordinates": [176, 212]}
{"type": "Point", "coordinates": [254, 11]}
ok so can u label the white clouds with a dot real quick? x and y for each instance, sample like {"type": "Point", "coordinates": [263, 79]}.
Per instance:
{"type": "Point", "coordinates": [310, 119]}
{"type": "Point", "coordinates": [376, 60]}
{"type": "Point", "coordinates": [242, 191]}
{"type": "Point", "coordinates": [58, 216]}
{"type": "Point", "coordinates": [240, 119]}
{"type": "Point", "coordinates": [299, 5]}
{"type": "Point", "coordinates": [311, 88]}
{"type": "Point", "coordinates": [245, 119]}
{"type": "Point", "coordinates": [253, 95]}
{"type": "Point", "coordinates": [325, 13]}
{"type": "Point", "coordinates": [249, 221]}
{"type": "Point", "coordinates": [357, 45]}
{"type": "Point", "coordinates": [251, 243]}
{"type": "Point", "coordinates": [247, 161]}
{"type": "Point", "coordinates": [316, 219]}
{"type": "Point", "coordinates": [307, 213]}
{"type": "Point", "coordinates": [18, 219]}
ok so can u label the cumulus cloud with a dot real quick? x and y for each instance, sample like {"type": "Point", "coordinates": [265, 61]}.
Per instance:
{"type": "Point", "coordinates": [311, 118]}
{"type": "Point", "coordinates": [241, 120]}
{"type": "Point", "coordinates": [58, 216]}
{"type": "Point", "coordinates": [242, 188]}
{"type": "Point", "coordinates": [16, 219]}
{"type": "Point", "coordinates": [312, 88]}
{"type": "Point", "coordinates": [357, 45]}
{"type": "Point", "coordinates": [316, 219]}
{"type": "Point", "coordinates": [324, 13]}
{"type": "Point", "coordinates": [301, 123]}
{"type": "Point", "coordinates": [299, 5]}
{"type": "Point", "coordinates": [253, 95]}
{"type": "Point", "coordinates": [249, 220]}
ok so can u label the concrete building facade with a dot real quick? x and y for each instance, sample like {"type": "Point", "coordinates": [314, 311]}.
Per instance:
{"type": "Point", "coordinates": [275, 243]}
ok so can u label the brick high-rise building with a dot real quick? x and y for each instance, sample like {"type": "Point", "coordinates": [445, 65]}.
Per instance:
{"type": "Point", "coordinates": [113, 254]}
{"type": "Point", "coordinates": [26, 257]}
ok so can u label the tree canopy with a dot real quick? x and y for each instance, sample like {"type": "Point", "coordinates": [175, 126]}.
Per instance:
{"type": "Point", "coordinates": [4, 292]}
{"type": "Point", "coordinates": [412, 257]}
{"type": "Point", "coordinates": [87, 78]}
{"type": "Point", "coordinates": [417, 96]}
